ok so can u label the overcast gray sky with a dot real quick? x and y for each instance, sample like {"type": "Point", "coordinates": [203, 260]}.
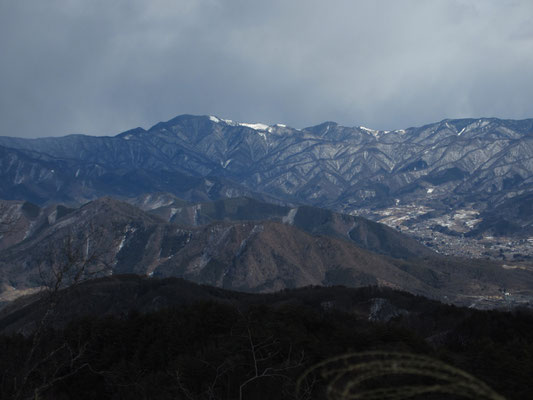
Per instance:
{"type": "Point", "coordinates": [103, 66]}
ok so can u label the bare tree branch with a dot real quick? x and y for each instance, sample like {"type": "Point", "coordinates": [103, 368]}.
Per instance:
{"type": "Point", "coordinates": [68, 262]}
{"type": "Point", "coordinates": [264, 351]}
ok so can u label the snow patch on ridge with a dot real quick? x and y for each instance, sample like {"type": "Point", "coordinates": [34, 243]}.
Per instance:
{"type": "Point", "coordinates": [367, 129]}
{"type": "Point", "coordinates": [151, 203]}
{"type": "Point", "coordinates": [373, 132]}
{"type": "Point", "coordinates": [208, 184]}
{"type": "Point", "coordinates": [257, 126]}
{"type": "Point", "coordinates": [196, 210]}
{"type": "Point", "coordinates": [29, 231]}
{"type": "Point", "coordinates": [173, 212]}
{"type": "Point", "coordinates": [121, 244]}
{"type": "Point", "coordinates": [289, 218]}
{"type": "Point", "coordinates": [377, 133]}
{"type": "Point", "coordinates": [52, 217]}
{"type": "Point", "coordinates": [256, 229]}
{"type": "Point", "coordinates": [217, 120]}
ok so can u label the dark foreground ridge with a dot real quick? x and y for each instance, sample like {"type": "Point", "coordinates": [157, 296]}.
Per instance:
{"type": "Point", "coordinates": [140, 338]}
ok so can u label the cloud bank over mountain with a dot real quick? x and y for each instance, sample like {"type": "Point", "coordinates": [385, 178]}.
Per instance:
{"type": "Point", "coordinates": [99, 67]}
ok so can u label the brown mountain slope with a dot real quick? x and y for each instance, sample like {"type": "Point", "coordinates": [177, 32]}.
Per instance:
{"type": "Point", "coordinates": [271, 256]}
{"type": "Point", "coordinates": [370, 235]}
{"type": "Point", "coordinates": [256, 256]}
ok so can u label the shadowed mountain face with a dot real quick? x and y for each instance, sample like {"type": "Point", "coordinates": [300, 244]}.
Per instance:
{"type": "Point", "coordinates": [120, 294]}
{"type": "Point", "coordinates": [452, 161]}
{"type": "Point", "coordinates": [281, 248]}
{"type": "Point", "coordinates": [42, 179]}
{"type": "Point", "coordinates": [512, 216]}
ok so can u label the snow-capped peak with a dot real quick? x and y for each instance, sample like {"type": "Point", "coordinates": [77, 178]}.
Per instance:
{"type": "Point", "coordinates": [377, 133]}
{"type": "Point", "coordinates": [261, 128]}
{"type": "Point", "coordinates": [217, 120]}
{"type": "Point", "coordinates": [373, 132]}
{"type": "Point", "coordinates": [257, 126]}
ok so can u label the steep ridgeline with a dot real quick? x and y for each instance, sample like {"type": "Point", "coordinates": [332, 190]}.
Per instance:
{"type": "Point", "coordinates": [328, 165]}
{"type": "Point", "coordinates": [511, 216]}
{"type": "Point", "coordinates": [302, 247]}
{"type": "Point", "coordinates": [34, 176]}
{"type": "Point", "coordinates": [367, 234]}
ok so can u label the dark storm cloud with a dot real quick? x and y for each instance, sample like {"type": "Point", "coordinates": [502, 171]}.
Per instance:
{"type": "Point", "coordinates": [100, 67]}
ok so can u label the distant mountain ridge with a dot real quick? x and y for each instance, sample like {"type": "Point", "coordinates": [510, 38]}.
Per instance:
{"type": "Point", "coordinates": [328, 165]}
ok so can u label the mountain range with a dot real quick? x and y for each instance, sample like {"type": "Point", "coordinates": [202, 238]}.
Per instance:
{"type": "Point", "coordinates": [445, 166]}
{"type": "Point", "coordinates": [240, 244]}
{"type": "Point", "coordinates": [261, 208]}
{"type": "Point", "coordinates": [149, 263]}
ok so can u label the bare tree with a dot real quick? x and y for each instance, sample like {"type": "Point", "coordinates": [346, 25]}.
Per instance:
{"type": "Point", "coordinates": [258, 356]}
{"type": "Point", "coordinates": [69, 261]}
{"type": "Point", "coordinates": [263, 366]}
{"type": "Point", "coordinates": [75, 258]}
